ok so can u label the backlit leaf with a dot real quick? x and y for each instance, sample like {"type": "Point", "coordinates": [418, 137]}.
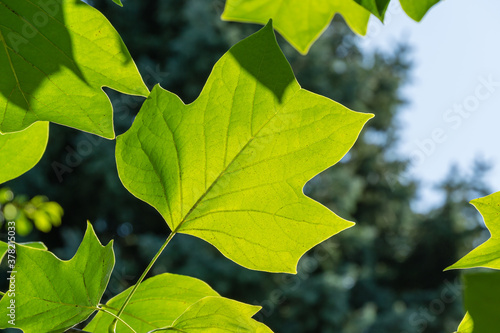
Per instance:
{"type": "Point", "coordinates": [417, 9]}
{"type": "Point", "coordinates": [55, 57]}
{"type": "Point", "coordinates": [52, 295]}
{"type": "Point", "coordinates": [488, 253]}
{"type": "Point", "coordinates": [21, 151]}
{"type": "Point", "coordinates": [230, 167]}
{"type": "Point", "coordinates": [302, 22]}
{"type": "Point", "coordinates": [158, 302]}
{"type": "Point", "coordinates": [467, 324]}
{"type": "Point", "coordinates": [299, 22]}
{"type": "Point", "coordinates": [376, 7]}
{"type": "Point", "coordinates": [218, 315]}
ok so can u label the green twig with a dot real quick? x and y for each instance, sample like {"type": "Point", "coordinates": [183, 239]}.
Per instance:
{"type": "Point", "coordinates": [112, 327]}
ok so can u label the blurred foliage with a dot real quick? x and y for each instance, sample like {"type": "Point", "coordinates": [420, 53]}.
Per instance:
{"type": "Point", "coordinates": [383, 275]}
{"type": "Point", "coordinates": [38, 212]}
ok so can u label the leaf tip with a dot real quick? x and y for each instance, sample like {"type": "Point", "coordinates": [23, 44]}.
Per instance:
{"type": "Point", "coordinates": [449, 268]}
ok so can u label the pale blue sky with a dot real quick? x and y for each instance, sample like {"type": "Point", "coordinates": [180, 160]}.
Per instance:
{"type": "Point", "coordinates": [456, 48]}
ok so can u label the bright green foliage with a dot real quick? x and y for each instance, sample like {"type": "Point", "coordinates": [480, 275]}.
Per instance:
{"type": "Point", "coordinates": [118, 2]}
{"type": "Point", "coordinates": [417, 9]}
{"type": "Point", "coordinates": [467, 325]}
{"type": "Point", "coordinates": [52, 295]}
{"type": "Point", "coordinates": [36, 245]}
{"type": "Point", "coordinates": [300, 22]}
{"type": "Point", "coordinates": [488, 253]}
{"type": "Point", "coordinates": [157, 303]}
{"type": "Point", "coordinates": [21, 151]}
{"type": "Point", "coordinates": [55, 57]}
{"type": "Point", "coordinates": [218, 315]}
{"type": "Point", "coordinates": [230, 167]}
{"type": "Point", "coordinates": [482, 301]}
{"type": "Point", "coordinates": [376, 7]}
{"type": "Point", "coordinates": [160, 300]}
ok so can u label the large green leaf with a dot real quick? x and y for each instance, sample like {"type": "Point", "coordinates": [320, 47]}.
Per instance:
{"type": "Point", "coordinates": [52, 295]}
{"type": "Point", "coordinates": [417, 9]}
{"type": "Point", "coordinates": [488, 253]}
{"type": "Point", "coordinates": [482, 301]}
{"type": "Point", "coordinates": [55, 57]}
{"type": "Point", "coordinates": [157, 303]}
{"type": "Point", "coordinates": [300, 22]}
{"type": "Point", "coordinates": [376, 7]}
{"type": "Point", "coordinates": [218, 315]}
{"type": "Point", "coordinates": [20, 151]}
{"type": "Point", "coordinates": [229, 168]}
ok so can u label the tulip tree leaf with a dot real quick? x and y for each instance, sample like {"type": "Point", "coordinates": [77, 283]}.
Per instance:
{"type": "Point", "coordinates": [482, 301]}
{"type": "Point", "coordinates": [302, 22]}
{"type": "Point", "coordinates": [157, 303]}
{"type": "Point", "coordinates": [487, 254]}
{"type": "Point", "coordinates": [417, 9]}
{"type": "Point", "coordinates": [467, 324]}
{"type": "Point", "coordinates": [55, 58]}
{"type": "Point", "coordinates": [53, 295]}
{"type": "Point", "coordinates": [376, 7]}
{"type": "Point", "coordinates": [218, 315]}
{"type": "Point", "coordinates": [230, 167]}
{"type": "Point", "coordinates": [21, 151]}
{"type": "Point", "coordinates": [299, 22]}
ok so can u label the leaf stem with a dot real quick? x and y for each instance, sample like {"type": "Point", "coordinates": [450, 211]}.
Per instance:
{"type": "Point", "coordinates": [100, 307]}
{"type": "Point", "coordinates": [112, 327]}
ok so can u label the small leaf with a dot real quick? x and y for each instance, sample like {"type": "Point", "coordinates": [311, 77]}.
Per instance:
{"type": "Point", "coordinates": [118, 2]}
{"type": "Point", "coordinates": [482, 301]}
{"type": "Point", "coordinates": [376, 7]}
{"type": "Point", "coordinates": [55, 57]}
{"type": "Point", "coordinates": [299, 22]}
{"type": "Point", "coordinates": [157, 302]}
{"type": "Point", "coordinates": [218, 315]}
{"type": "Point", "coordinates": [21, 151]}
{"type": "Point", "coordinates": [488, 254]}
{"type": "Point", "coordinates": [417, 9]}
{"type": "Point", "coordinates": [467, 325]}
{"type": "Point", "coordinates": [52, 295]}
{"type": "Point", "coordinates": [230, 167]}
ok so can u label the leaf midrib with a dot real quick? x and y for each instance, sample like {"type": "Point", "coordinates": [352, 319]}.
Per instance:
{"type": "Point", "coordinates": [223, 172]}
{"type": "Point", "coordinates": [2, 39]}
